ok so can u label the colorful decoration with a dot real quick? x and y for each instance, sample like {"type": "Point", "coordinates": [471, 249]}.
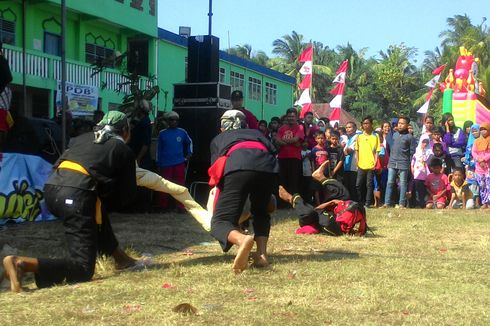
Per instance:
{"type": "Point", "coordinates": [463, 94]}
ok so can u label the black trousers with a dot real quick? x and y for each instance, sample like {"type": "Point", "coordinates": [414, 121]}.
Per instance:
{"type": "Point", "coordinates": [290, 174]}
{"type": "Point", "coordinates": [350, 178]}
{"type": "Point", "coordinates": [234, 190]}
{"type": "Point", "coordinates": [364, 186]}
{"type": "Point", "coordinates": [306, 213]}
{"type": "Point", "coordinates": [84, 238]}
{"type": "Point", "coordinates": [420, 193]}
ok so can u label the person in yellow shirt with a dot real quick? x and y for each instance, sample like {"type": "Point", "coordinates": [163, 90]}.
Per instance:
{"type": "Point", "coordinates": [367, 149]}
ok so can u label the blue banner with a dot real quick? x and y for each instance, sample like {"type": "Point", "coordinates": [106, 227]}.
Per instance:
{"type": "Point", "coordinates": [22, 179]}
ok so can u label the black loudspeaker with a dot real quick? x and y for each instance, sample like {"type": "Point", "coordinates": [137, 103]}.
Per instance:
{"type": "Point", "coordinates": [202, 125]}
{"type": "Point", "coordinates": [203, 59]}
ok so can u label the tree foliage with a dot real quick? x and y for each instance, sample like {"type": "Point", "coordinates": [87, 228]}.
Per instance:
{"type": "Point", "coordinates": [385, 85]}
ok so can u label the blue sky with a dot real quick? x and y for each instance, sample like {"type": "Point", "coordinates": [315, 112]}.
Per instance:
{"type": "Point", "coordinates": [364, 23]}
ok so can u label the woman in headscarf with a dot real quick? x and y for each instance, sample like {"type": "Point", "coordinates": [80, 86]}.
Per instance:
{"type": "Point", "coordinates": [469, 163]}
{"type": "Point", "coordinates": [481, 155]}
{"type": "Point", "coordinates": [420, 170]}
{"type": "Point", "coordinates": [90, 177]}
{"type": "Point", "coordinates": [467, 127]}
{"type": "Point", "coordinates": [474, 134]}
{"type": "Point", "coordinates": [243, 165]}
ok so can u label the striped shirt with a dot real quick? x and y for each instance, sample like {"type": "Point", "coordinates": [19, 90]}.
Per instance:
{"type": "Point", "coordinates": [5, 99]}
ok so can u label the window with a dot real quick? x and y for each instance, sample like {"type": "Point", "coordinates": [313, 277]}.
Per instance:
{"type": "Point", "coordinates": [222, 72]}
{"type": "Point", "coordinates": [236, 81]}
{"type": "Point", "coordinates": [254, 89]}
{"type": "Point", "coordinates": [52, 44]}
{"type": "Point", "coordinates": [96, 53]}
{"type": "Point", "coordinates": [7, 31]}
{"type": "Point", "coordinates": [270, 93]}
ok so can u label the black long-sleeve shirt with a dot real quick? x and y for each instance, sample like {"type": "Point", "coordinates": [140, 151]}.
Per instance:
{"type": "Point", "coordinates": [111, 166]}
{"type": "Point", "coordinates": [244, 159]}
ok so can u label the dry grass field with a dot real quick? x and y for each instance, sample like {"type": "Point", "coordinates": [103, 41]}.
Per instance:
{"type": "Point", "coordinates": [419, 267]}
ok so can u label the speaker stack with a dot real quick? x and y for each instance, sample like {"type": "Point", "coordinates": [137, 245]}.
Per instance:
{"type": "Point", "coordinates": [201, 101]}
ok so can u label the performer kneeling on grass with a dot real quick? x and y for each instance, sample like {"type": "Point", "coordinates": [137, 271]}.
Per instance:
{"type": "Point", "coordinates": [243, 165]}
{"type": "Point", "coordinates": [92, 174]}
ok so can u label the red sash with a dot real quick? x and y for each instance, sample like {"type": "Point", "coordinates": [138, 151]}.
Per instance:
{"type": "Point", "coordinates": [217, 170]}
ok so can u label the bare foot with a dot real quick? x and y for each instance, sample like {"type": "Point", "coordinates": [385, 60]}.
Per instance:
{"type": "Point", "coordinates": [14, 272]}
{"type": "Point", "coordinates": [241, 259]}
{"type": "Point", "coordinates": [319, 174]}
{"type": "Point", "coordinates": [122, 260]}
{"type": "Point", "coordinates": [126, 264]}
{"type": "Point", "coordinates": [285, 195]}
{"type": "Point", "coordinates": [260, 261]}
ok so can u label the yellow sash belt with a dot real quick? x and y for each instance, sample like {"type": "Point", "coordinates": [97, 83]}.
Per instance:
{"type": "Point", "coordinates": [69, 165]}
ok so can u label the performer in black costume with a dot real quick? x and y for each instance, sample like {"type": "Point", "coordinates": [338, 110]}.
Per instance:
{"type": "Point", "coordinates": [93, 174]}
{"type": "Point", "coordinates": [308, 215]}
{"type": "Point", "coordinates": [243, 164]}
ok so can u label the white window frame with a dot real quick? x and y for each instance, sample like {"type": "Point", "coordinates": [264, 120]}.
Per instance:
{"type": "Point", "coordinates": [270, 93]}
{"type": "Point", "coordinates": [254, 89]}
{"type": "Point", "coordinates": [237, 81]}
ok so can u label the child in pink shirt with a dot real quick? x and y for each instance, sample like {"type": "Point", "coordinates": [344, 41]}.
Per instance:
{"type": "Point", "coordinates": [437, 184]}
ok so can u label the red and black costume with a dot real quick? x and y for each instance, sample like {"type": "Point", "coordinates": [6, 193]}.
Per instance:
{"type": "Point", "coordinates": [250, 170]}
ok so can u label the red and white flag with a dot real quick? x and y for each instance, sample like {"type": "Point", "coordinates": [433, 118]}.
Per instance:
{"type": "Point", "coordinates": [338, 91]}
{"type": "Point", "coordinates": [431, 84]}
{"type": "Point", "coordinates": [307, 71]}
{"type": "Point", "coordinates": [335, 117]}
{"type": "Point", "coordinates": [307, 68]}
{"type": "Point", "coordinates": [304, 98]}
{"type": "Point", "coordinates": [307, 107]}
{"type": "Point", "coordinates": [305, 83]}
{"type": "Point", "coordinates": [336, 102]}
{"type": "Point", "coordinates": [343, 66]}
{"type": "Point", "coordinates": [439, 70]}
{"type": "Point", "coordinates": [306, 55]}
{"type": "Point", "coordinates": [340, 78]}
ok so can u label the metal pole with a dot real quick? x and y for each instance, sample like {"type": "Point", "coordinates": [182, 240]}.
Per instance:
{"type": "Point", "coordinates": [210, 15]}
{"type": "Point", "coordinates": [24, 57]}
{"type": "Point", "coordinates": [63, 74]}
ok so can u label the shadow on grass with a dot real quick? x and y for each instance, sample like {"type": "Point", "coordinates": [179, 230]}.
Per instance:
{"type": "Point", "coordinates": [308, 256]}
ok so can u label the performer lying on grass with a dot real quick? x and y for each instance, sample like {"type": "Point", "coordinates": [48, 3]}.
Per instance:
{"type": "Point", "coordinates": [309, 216]}
{"type": "Point", "coordinates": [95, 173]}
{"type": "Point", "coordinates": [243, 165]}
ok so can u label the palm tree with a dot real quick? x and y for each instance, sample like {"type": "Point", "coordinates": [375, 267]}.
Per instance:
{"type": "Point", "coordinates": [289, 47]}
{"type": "Point", "coordinates": [458, 27]}
{"type": "Point", "coordinates": [396, 80]}
{"type": "Point", "coordinates": [243, 51]}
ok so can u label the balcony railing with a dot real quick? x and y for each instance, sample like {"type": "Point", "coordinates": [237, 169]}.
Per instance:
{"type": "Point", "coordinates": [49, 67]}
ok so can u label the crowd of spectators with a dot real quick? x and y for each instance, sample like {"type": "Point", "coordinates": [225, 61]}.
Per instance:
{"type": "Point", "coordinates": [386, 165]}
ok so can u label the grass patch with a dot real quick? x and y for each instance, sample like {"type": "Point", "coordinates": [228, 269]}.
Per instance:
{"type": "Point", "coordinates": [420, 267]}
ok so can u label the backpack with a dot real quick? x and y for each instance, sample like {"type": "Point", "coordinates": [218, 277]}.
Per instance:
{"type": "Point", "coordinates": [344, 218]}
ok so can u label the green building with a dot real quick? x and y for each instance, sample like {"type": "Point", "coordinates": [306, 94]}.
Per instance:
{"type": "Point", "coordinates": [98, 31]}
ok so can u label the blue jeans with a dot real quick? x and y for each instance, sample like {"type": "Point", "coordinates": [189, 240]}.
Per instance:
{"type": "Point", "coordinates": [390, 186]}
